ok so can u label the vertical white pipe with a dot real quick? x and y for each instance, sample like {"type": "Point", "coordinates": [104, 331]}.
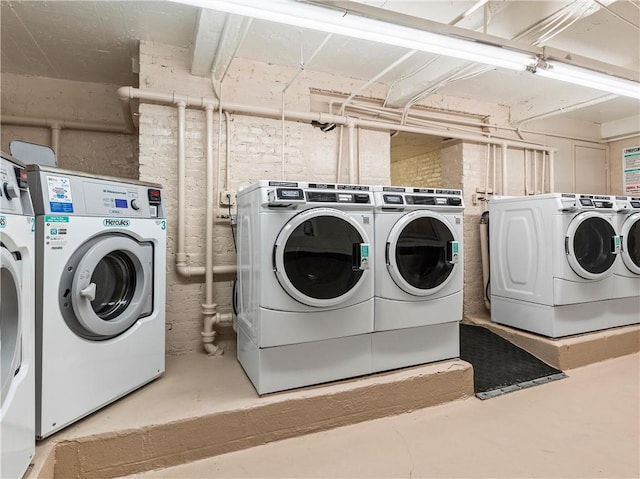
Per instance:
{"type": "Point", "coordinates": [358, 155]}
{"type": "Point", "coordinates": [486, 177]}
{"type": "Point", "coordinates": [181, 256]}
{"type": "Point", "coordinates": [544, 173]}
{"type": "Point", "coordinates": [227, 119]}
{"type": "Point", "coordinates": [552, 179]}
{"type": "Point", "coordinates": [209, 309]}
{"type": "Point", "coordinates": [535, 172]}
{"type": "Point", "coordinates": [503, 147]}
{"type": "Point", "coordinates": [209, 208]}
{"type": "Point", "coordinates": [283, 142]}
{"type": "Point", "coordinates": [55, 138]}
{"type": "Point", "coordinates": [216, 204]}
{"type": "Point", "coordinates": [495, 173]}
{"type": "Point", "coordinates": [339, 162]}
{"type": "Point", "coordinates": [526, 176]}
{"type": "Point", "coordinates": [352, 150]}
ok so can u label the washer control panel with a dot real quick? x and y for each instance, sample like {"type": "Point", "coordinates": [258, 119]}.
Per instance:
{"type": "Point", "coordinates": [66, 193]}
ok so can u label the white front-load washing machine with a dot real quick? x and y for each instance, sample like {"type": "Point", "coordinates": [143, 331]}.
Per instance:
{"type": "Point", "coordinates": [100, 285]}
{"type": "Point", "coordinates": [626, 276]}
{"type": "Point", "coordinates": [418, 275]}
{"type": "Point", "coordinates": [552, 262]}
{"type": "Point", "coordinates": [17, 343]}
{"type": "Point", "coordinates": [305, 283]}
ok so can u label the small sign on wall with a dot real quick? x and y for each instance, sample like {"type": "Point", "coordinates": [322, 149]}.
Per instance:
{"type": "Point", "coordinates": [631, 170]}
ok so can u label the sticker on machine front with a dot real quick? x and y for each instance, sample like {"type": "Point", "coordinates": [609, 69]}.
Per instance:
{"type": "Point", "coordinates": [455, 247]}
{"type": "Point", "coordinates": [59, 191]}
{"type": "Point", "coordinates": [56, 219]}
{"type": "Point", "coordinates": [3, 222]}
{"type": "Point", "coordinates": [116, 222]}
{"type": "Point", "coordinates": [364, 251]}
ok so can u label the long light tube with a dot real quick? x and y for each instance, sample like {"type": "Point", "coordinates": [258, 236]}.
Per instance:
{"type": "Point", "coordinates": [334, 21]}
{"type": "Point", "coordinates": [588, 78]}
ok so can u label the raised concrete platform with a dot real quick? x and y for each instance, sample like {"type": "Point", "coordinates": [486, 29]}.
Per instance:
{"type": "Point", "coordinates": [572, 351]}
{"type": "Point", "coordinates": [203, 407]}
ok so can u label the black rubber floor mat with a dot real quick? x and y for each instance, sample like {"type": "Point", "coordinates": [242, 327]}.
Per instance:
{"type": "Point", "coordinates": [499, 366]}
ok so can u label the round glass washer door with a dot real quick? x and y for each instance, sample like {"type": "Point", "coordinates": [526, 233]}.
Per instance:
{"type": "Point", "coordinates": [10, 321]}
{"type": "Point", "coordinates": [317, 257]}
{"type": "Point", "coordinates": [591, 249]}
{"type": "Point", "coordinates": [107, 286]}
{"type": "Point", "coordinates": [630, 234]}
{"type": "Point", "coordinates": [421, 253]}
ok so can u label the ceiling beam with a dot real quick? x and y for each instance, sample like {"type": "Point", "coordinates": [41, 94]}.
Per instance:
{"type": "Point", "coordinates": [623, 127]}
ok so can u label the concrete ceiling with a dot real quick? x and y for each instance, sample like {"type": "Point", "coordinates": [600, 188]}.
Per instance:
{"type": "Point", "coordinates": [97, 41]}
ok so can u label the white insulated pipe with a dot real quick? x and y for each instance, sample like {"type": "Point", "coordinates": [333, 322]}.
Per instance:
{"type": "Point", "coordinates": [339, 162]}
{"type": "Point", "coordinates": [486, 179]}
{"type": "Point", "coordinates": [351, 128]}
{"type": "Point", "coordinates": [181, 256]}
{"type": "Point", "coordinates": [544, 172]}
{"type": "Point", "coordinates": [127, 93]}
{"type": "Point", "coordinates": [551, 171]}
{"type": "Point", "coordinates": [55, 138]}
{"type": "Point", "coordinates": [503, 148]}
{"type": "Point", "coordinates": [209, 308]}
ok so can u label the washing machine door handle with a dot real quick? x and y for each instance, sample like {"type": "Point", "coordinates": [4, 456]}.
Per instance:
{"type": "Point", "coordinates": [89, 292]}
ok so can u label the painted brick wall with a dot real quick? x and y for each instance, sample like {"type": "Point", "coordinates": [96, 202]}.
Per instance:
{"type": "Point", "coordinates": [255, 153]}
{"type": "Point", "coordinates": [92, 152]}
{"type": "Point", "coordinates": [421, 170]}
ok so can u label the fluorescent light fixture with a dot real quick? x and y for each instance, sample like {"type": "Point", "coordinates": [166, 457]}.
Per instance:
{"type": "Point", "coordinates": [588, 78]}
{"type": "Point", "coordinates": [329, 20]}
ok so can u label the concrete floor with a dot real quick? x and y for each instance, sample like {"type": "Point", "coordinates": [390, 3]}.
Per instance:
{"type": "Point", "coordinates": [587, 425]}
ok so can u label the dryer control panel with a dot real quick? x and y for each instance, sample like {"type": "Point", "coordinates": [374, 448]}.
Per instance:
{"type": "Point", "coordinates": [400, 198]}
{"type": "Point", "coordinates": [72, 193]}
{"type": "Point", "coordinates": [572, 202]}
{"type": "Point", "coordinates": [14, 190]}
{"type": "Point", "coordinates": [290, 194]}
{"type": "Point", "coordinates": [626, 204]}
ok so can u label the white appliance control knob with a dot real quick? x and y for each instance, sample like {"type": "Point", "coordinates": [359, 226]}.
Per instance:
{"type": "Point", "coordinates": [135, 205]}
{"type": "Point", "coordinates": [9, 191]}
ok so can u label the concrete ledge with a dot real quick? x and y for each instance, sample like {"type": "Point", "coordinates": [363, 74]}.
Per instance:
{"type": "Point", "coordinates": [573, 351]}
{"type": "Point", "coordinates": [79, 454]}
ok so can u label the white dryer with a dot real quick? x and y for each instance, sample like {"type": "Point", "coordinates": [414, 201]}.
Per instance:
{"type": "Point", "coordinates": [100, 284]}
{"type": "Point", "coordinates": [305, 283]}
{"type": "Point", "coordinates": [552, 262]}
{"type": "Point", "coordinates": [626, 288]}
{"type": "Point", "coordinates": [17, 343]}
{"type": "Point", "coordinates": [418, 275]}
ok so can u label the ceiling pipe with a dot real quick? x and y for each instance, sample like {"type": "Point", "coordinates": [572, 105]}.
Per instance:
{"type": "Point", "coordinates": [64, 124]}
{"type": "Point", "coordinates": [127, 93]}
{"type": "Point", "coordinates": [376, 78]}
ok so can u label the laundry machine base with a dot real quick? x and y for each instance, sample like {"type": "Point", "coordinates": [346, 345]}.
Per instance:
{"type": "Point", "coordinates": [286, 367]}
{"type": "Point", "coordinates": [560, 321]}
{"type": "Point", "coordinates": [17, 426]}
{"type": "Point", "coordinates": [412, 346]}
{"type": "Point", "coordinates": [625, 310]}
{"type": "Point", "coordinates": [392, 314]}
{"type": "Point", "coordinates": [279, 328]}
{"type": "Point", "coordinates": [626, 286]}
